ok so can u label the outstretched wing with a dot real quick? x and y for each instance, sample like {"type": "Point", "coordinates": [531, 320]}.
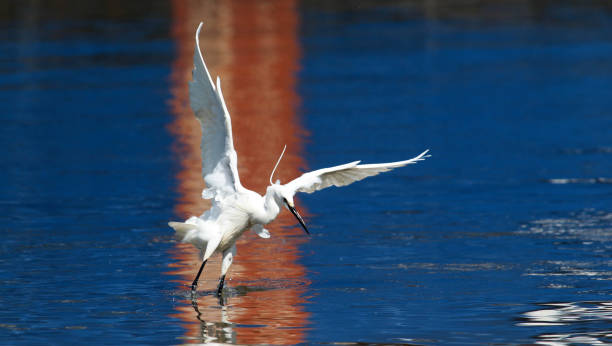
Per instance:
{"type": "Point", "coordinates": [219, 159]}
{"type": "Point", "coordinates": [344, 174]}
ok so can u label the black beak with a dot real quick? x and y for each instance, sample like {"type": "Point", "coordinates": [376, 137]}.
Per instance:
{"type": "Point", "coordinates": [297, 216]}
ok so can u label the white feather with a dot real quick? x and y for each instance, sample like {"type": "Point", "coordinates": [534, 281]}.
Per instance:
{"type": "Point", "coordinates": [219, 159]}
{"type": "Point", "coordinates": [344, 174]}
{"type": "Point", "coordinates": [235, 209]}
{"type": "Point", "coordinates": [261, 231]}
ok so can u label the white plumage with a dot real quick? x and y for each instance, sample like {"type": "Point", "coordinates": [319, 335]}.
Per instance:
{"type": "Point", "coordinates": [235, 209]}
{"type": "Point", "coordinates": [343, 175]}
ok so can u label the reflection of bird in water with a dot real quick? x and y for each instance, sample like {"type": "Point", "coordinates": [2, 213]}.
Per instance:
{"type": "Point", "coordinates": [219, 331]}
{"type": "Point", "coordinates": [234, 208]}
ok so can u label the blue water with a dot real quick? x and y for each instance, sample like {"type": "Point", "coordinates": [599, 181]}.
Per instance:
{"type": "Point", "coordinates": [503, 236]}
{"type": "Point", "coordinates": [457, 249]}
{"type": "Point", "coordinates": [86, 184]}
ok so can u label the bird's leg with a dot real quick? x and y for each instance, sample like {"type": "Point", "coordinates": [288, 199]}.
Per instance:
{"type": "Point", "coordinates": [194, 285]}
{"type": "Point", "coordinates": [221, 282]}
{"type": "Point", "coordinates": [228, 257]}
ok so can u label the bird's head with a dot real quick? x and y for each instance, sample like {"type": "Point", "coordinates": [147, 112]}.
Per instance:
{"type": "Point", "coordinates": [283, 195]}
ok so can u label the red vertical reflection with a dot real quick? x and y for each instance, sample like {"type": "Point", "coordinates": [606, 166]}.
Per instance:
{"type": "Point", "coordinates": [253, 47]}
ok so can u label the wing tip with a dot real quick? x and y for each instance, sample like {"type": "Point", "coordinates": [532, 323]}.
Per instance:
{"type": "Point", "coordinates": [198, 51]}
{"type": "Point", "coordinates": [200, 70]}
{"type": "Point", "coordinates": [421, 157]}
{"type": "Point", "coordinates": [197, 34]}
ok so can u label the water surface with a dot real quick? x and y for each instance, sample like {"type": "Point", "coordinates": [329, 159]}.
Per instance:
{"type": "Point", "coordinates": [502, 236]}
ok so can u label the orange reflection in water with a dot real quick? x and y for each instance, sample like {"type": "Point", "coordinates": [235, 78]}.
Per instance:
{"type": "Point", "coordinates": [253, 47]}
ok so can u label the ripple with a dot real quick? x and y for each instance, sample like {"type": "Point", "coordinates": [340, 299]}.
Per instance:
{"type": "Point", "coordinates": [571, 268]}
{"type": "Point", "coordinates": [588, 151]}
{"type": "Point", "coordinates": [595, 338]}
{"type": "Point", "coordinates": [588, 225]}
{"type": "Point", "coordinates": [563, 181]}
{"type": "Point", "coordinates": [565, 313]}
{"type": "Point", "coordinates": [585, 314]}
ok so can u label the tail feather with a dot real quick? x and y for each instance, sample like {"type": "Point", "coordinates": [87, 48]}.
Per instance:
{"type": "Point", "coordinates": [181, 228]}
{"type": "Point", "coordinates": [206, 236]}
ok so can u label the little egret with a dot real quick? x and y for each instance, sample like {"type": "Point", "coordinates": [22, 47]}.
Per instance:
{"type": "Point", "coordinates": [234, 209]}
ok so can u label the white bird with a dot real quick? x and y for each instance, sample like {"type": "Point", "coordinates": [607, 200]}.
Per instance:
{"type": "Point", "coordinates": [236, 209]}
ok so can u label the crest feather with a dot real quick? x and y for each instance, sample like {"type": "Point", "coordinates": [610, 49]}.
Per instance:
{"type": "Point", "coordinates": [275, 166]}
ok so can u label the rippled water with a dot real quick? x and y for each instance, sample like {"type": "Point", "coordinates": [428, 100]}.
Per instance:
{"type": "Point", "coordinates": [503, 236]}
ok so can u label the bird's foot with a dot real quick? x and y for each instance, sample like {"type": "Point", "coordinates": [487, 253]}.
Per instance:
{"type": "Point", "coordinates": [221, 283]}
{"type": "Point", "coordinates": [220, 290]}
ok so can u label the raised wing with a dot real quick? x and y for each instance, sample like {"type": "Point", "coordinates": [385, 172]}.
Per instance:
{"type": "Point", "coordinates": [344, 174]}
{"type": "Point", "coordinates": [219, 159]}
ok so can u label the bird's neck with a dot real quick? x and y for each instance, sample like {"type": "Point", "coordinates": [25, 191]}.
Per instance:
{"type": "Point", "coordinates": [271, 206]}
